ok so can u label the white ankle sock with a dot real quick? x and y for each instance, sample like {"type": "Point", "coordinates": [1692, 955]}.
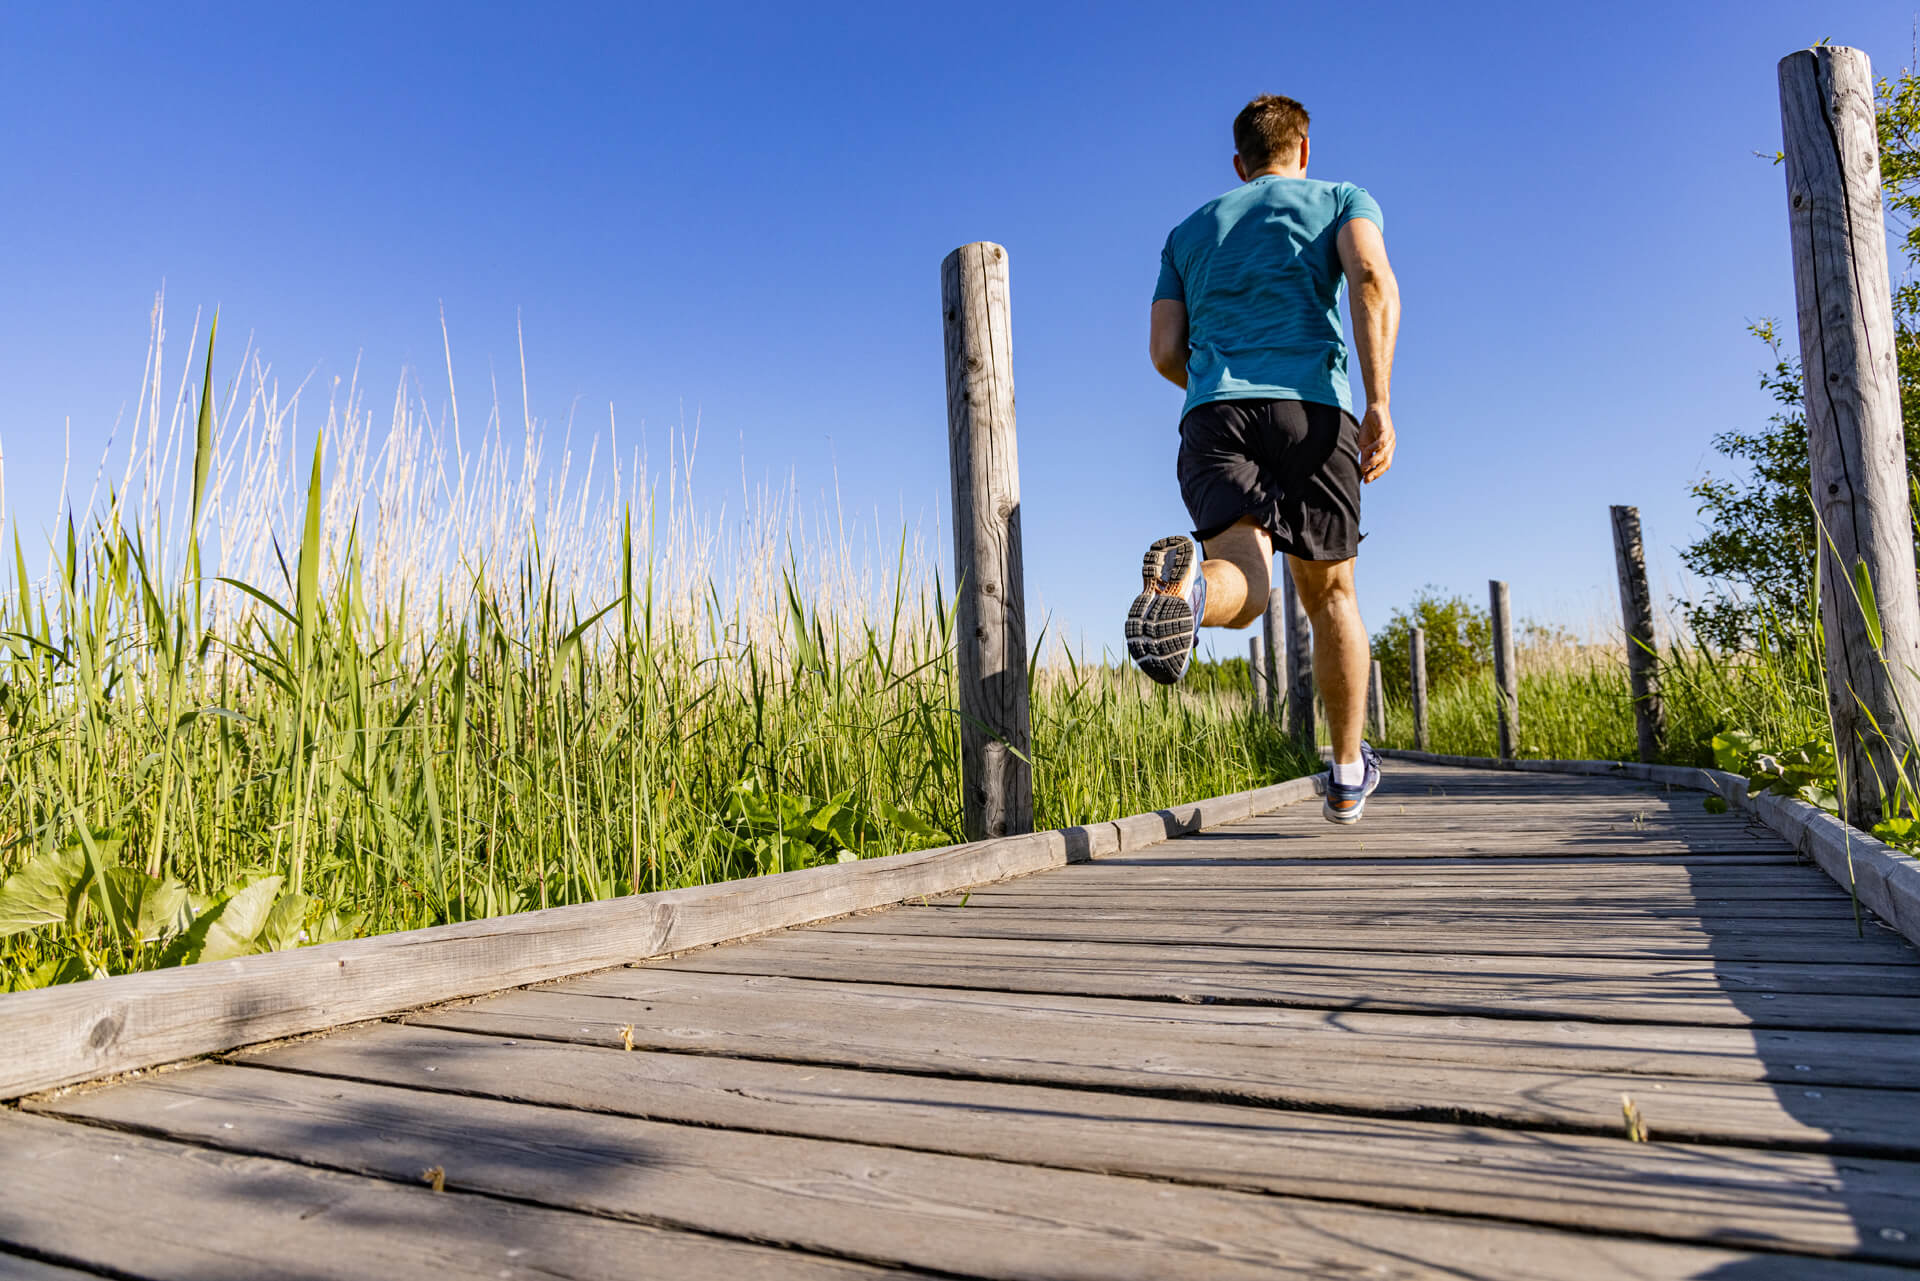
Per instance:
{"type": "Point", "coordinates": [1350, 775]}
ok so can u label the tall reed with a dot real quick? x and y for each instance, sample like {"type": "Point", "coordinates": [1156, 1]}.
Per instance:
{"type": "Point", "coordinates": [272, 687]}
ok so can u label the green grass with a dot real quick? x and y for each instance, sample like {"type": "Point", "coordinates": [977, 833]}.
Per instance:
{"type": "Point", "coordinates": [405, 681]}
{"type": "Point", "coordinates": [1576, 703]}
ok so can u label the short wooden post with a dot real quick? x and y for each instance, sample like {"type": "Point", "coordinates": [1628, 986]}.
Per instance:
{"type": "Point", "coordinates": [1417, 669]}
{"type": "Point", "coordinates": [1636, 616]}
{"type": "Point", "coordinates": [1506, 679]}
{"type": "Point", "coordinates": [1300, 720]}
{"type": "Point", "coordinates": [1856, 452]}
{"type": "Point", "coordinates": [1377, 704]}
{"type": "Point", "coordinates": [1273, 636]}
{"type": "Point", "coordinates": [990, 614]}
{"type": "Point", "coordinates": [1257, 670]}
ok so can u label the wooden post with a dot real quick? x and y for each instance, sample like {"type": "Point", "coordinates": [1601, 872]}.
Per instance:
{"type": "Point", "coordinates": [1273, 635]}
{"type": "Point", "coordinates": [1856, 452]}
{"type": "Point", "coordinates": [1300, 721]}
{"type": "Point", "coordinates": [1257, 670]}
{"type": "Point", "coordinates": [990, 614]}
{"type": "Point", "coordinates": [1417, 669]}
{"type": "Point", "coordinates": [1636, 616]}
{"type": "Point", "coordinates": [1377, 704]}
{"type": "Point", "coordinates": [1506, 680]}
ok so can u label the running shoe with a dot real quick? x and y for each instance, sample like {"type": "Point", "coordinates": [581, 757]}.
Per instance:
{"type": "Point", "coordinates": [1163, 623]}
{"type": "Point", "coordinates": [1346, 804]}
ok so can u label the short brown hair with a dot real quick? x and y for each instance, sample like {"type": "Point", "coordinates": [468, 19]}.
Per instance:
{"type": "Point", "coordinates": [1269, 128]}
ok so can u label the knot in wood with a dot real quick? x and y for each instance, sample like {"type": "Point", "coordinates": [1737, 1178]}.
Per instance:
{"type": "Point", "coordinates": [973, 362]}
{"type": "Point", "coordinates": [1833, 489]}
{"type": "Point", "coordinates": [1005, 510]}
{"type": "Point", "coordinates": [104, 1033]}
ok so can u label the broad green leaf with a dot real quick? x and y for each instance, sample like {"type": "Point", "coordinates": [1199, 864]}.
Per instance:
{"type": "Point", "coordinates": [283, 928]}
{"type": "Point", "coordinates": [231, 927]}
{"type": "Point", "coordinates": [909, 822]}
{"type": "Point", "coordinates": [1715, 805]}
{"type": "Point", "coordinates": [47, 891]}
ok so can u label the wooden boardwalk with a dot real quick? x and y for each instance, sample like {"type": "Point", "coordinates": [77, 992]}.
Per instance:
{"type": "Point", "coordinates": [1275, 1049]}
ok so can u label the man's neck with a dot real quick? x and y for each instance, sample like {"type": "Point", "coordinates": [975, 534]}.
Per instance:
{"type": "Point", "coordinates": [1277, 171]}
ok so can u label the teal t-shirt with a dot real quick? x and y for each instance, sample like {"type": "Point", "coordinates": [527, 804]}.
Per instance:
{"type": "Point", "coordinates": [1260, 274]}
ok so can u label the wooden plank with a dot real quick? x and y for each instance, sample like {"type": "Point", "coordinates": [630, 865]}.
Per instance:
{"type": "Point", "coordinates": [141, 1207]}
{"type": "Point", "coordinates": [1482, 1076]}
{"type": "Point", "coordinates": [1787, 1056]}
{"type": "Point", "coordinates": [1352, 981]}
{"type": "Point", "coordinates": [1856, 442]}
{"type": "Point", "coordinates": [1784, 1200]}
{"type": "Point", "coordinates": [1710, 975]}
{"type": "Point", "coordinates": [990, 595]}
{"type": "Point", "coordinates": [955, 1215]}
{"type": "Point", "coordinates": [80, 1031]}
{"type": "Point", "coordinates": [1408, 934]}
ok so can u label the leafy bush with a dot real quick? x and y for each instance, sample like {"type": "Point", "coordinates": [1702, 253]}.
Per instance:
{"type": "Point", "coordinates": [1459, 642]}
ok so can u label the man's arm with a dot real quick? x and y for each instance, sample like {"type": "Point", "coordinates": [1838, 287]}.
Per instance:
{"type": "Point", "coordinates": [1376, 323]}
{"type": "Point", "coordinates": [1167, 340]}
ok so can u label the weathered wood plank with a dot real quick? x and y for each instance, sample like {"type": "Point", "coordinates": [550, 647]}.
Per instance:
{"type": "Point", "coordinates": [141, 1207]}
{"type": "Point", "coordinates": [1710, 976]}
{"type": "Point", "coordinates": [1775, 1199]}
{"type": "Point", "coordinates": [1789, 1056]}
{"type": "Point", "coordinates": [957, 1215]}
{"type": "Point", "coordinates": [1417, 659]}
{"type": "Point", "coordinates": [1482, 1075]}
{"type": "Point", "coordinates": [1410, 933]}
{"type": "Point", "coordinates": [80, 1031]}
{"type": "Point", "coordinates": [1352, 981]}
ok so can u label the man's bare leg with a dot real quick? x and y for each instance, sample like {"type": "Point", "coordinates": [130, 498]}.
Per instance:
{"type": "Point", "coordinates": [1239, 573]}
{"type": "Point", "coordinates": [1341, 654]}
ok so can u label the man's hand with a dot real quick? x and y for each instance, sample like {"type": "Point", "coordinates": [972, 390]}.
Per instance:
{"type": "Point", "coordinates": [1376, 443]}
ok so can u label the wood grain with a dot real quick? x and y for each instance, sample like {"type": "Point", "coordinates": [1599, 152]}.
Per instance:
{"type": "Point", "coordinates": [1856, 445]}
{"type": "Point", "coordinates": [990, 595]}
{"type": "Point", "coordinates": [1636, 619]}
{"type": "Point", "coordinates": [956, 1215]}
{"type": "Point", "coordinates": [1417, 670]}
{"type": "Point", "coordinates": [142, 1207]}
{"type": "Point", "coordinates": [1777, 1199]}
{"type": "Point", "coordinates": [1506, 674]}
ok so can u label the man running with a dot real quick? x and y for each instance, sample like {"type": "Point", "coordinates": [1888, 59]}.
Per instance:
{"type": "Point", "coordinates": [1247, 318]}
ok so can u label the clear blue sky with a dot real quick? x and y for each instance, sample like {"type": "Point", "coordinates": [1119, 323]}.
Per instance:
{"type": "Point", "coordinates": [739, 212]}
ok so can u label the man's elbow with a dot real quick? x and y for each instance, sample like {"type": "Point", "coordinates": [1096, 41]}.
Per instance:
{"type": "Point", "coordinates": [1172, 365]}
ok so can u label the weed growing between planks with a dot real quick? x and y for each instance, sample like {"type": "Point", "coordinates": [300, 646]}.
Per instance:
{"type": "Point", "coordinates": [431, 692]}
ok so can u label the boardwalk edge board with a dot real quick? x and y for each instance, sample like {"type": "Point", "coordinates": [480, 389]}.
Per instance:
{"type": "Point", "coordinates": [1886, 881]}
{"type": "Point", "coordinates": [84, 1031]}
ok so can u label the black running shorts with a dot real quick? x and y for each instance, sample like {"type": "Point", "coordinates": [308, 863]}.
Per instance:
{"type": "Point", "coordinates": [1292, 465]}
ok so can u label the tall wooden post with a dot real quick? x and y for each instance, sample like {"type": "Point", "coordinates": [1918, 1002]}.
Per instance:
{"type": "Point", "coordinates": [1636, 616]}
{"type": "Point", "coordinates": [1506, 679]}
{"type": "Point", "coordinates": [990, 615]}
{"type": "Point", "coordinates": [1257, 670]}
{"type": "Point", "coordinates": [1273, 635]}
{"type": "Point", "coordinates": [1300, 721]}
{"type": "Point", "coordinates": [1855, 449]}
{"type": "Point", "coordinates": [1377, 703]}
{"type": "Point", "coordinates": [1417, 667]}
